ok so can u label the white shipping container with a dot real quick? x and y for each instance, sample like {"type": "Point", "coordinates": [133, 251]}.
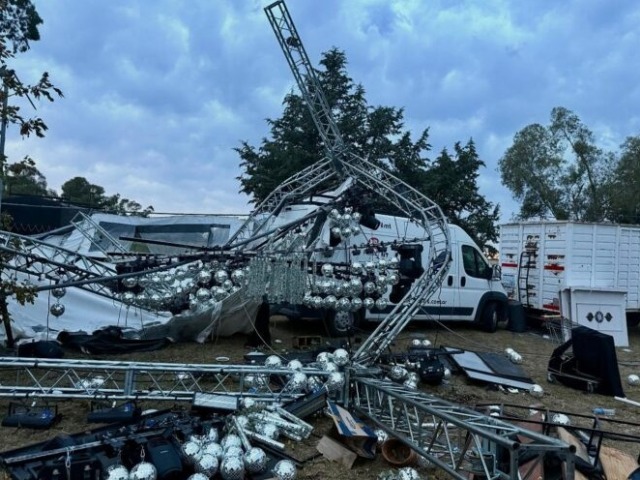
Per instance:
{"type": "Point", "coordinates": [544, 263]}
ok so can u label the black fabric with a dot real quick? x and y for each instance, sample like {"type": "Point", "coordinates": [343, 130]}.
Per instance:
{"type": "Point", "coordinates": [261, 335]}
{"type": "Point", "coordinates": [593, 362]}
{"type": "Point", "coordinates": [40, 349]}
{"type": "Point", "coordinates": [595, 355]}
{"type": "Point", "coordinates": [108, 341]}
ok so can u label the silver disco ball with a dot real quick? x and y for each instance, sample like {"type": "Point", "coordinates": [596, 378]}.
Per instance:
{"type": "Point", "coordinates": [382, 436]}
{"type": "Point", "coordinates": [329, 301]}
{"type": "Point", "coordinates": [203, 294]}
{"type": "Point", "coordinates": [230, 440]}
{"type": "Point", "coordinates": [327, 269]}
{"type": "Point", "coordinates": [356, 304]}
{"type": "Point", "coordinates": [323, 358]}
{"type": "Point", "coordinates": [369, 288]}
{"type": "Point", "coordinates": [398, 373]}
{"type": "Point", "coordinates": [335, 380]}
{"type": "Point", "coordinates": [232, 468]}
{"type": "Point", "coordinates": [536, 391]}
{"type": "Point", "coordinates": [213, 448]}
{"type": "Point", "coordinates": [198, 476]}
{"type": "Point", "coordinates": [340, 357]}
{"type": "Point", "coordinates": [330, 367]}
{"type": "Point", "coordinates": [117, 472]}
{"type": "Point", "coordinates": [294, 365]}
{"type": "Point", "coordinates": [416, 342]}
{"type": "Point", "coordinates": [273, 361]}
{"type": "Point", "coordinates": [297, 383]}
{"type": "Point", "coordinates": [381, 304]}
{"type": "Point", "coordinates": [368, 303]}
{"type": "Point", "coordinates": [128, 298]}
{"type": "Point", "coordinates": [408, 473]}
{"type": "Point", "coordinates": [633, 379]}
{"type": "Point", "coordinates": [204, 277]}
{"type": "Point", "coordinates": [143, 471]}
{"type": "Point", "coordinates": [56, 309]}
{"type": "Point", "coordinates": [314, 383]}
{"type": "Point", "coordinates": [208, 464]}
{"type": "Point", "coordinates": [560, 419]}
{"type": "Point", "coordinates": [58, 292]}
{"type": "Point", "coordinates": [192, 451]}
{"type": "Point", "coordinates": [221, 276]}
{"type": "Point", "coordinates": [233, 451]}
{"type": "Point", "coordinates": [255, 460]}
{"type": "Point", "coordinates": [237, 277]}
{"type": "Point", "coordinates": [357, 268]}
{"type": "Point", "coordinates": [285, 470]}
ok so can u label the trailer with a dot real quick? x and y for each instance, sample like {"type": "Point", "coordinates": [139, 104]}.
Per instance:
{"type": "Point", "coordinates": [588, 273]}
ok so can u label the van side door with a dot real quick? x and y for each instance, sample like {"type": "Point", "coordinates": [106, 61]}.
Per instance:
{"type": "Point", "coordinates": [474, 280]}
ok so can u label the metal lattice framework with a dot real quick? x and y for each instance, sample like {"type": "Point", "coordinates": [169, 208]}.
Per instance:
{"type": "Point", "coordinates": [97, 379]}
{"type": "Point", "coordinates": [412, 203]}
{"type": "Point", "coordinates": [452, 436]}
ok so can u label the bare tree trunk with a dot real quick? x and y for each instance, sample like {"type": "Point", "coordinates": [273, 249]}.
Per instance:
{"type": "Point", "coordinates": [6, 319]}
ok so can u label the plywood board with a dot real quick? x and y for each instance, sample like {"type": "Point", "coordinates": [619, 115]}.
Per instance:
{"type": "Point", "coordinates": [615, 463]}
{"type": "Point", "coordinates": [581, 450]}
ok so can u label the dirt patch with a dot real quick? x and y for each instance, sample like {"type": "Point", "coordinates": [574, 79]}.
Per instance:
{"type": "Point", "coordinates": [535, 347]}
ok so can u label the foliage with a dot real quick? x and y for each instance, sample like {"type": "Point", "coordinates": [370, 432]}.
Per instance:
{"type": "Point", "coordinates": [79, 190]}
{"type": "Point", "coordinates": [624, 188]}
{"type": "Point", "coordinates": [557, 170]}
{"type": "Point", "coordinates": [376, 133]}
{"type": "Point", "coordinates": [19, 23]}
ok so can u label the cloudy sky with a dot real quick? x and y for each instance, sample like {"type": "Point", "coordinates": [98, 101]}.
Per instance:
{"type": "Point", "coordinates": [159, 92]}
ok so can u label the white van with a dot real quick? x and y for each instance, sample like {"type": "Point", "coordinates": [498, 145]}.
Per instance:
{"type": "Point", "coordinates": [471, 290]}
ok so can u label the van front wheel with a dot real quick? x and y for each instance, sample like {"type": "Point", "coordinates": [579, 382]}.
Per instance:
{"type": "Point", "coordinates": [490, 317]}
{"type": "Point", "coordinates": [341, 324]}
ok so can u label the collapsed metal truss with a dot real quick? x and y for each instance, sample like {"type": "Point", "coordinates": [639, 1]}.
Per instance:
{"type": "Point", "coordinates": [373, 178]}
{"type": "Point", "coordinates": [452, 437]}
{"type": "Point", "coordinates": [119, 380]}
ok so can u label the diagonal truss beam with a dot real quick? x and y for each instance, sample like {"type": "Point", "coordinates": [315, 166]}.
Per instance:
{"type": "Point", "coordinates": [455, 438]}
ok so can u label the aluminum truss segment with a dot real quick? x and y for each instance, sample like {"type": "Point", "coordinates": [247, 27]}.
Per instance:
{"type": "Point", "coordinates": [429, 216]}
{"type": "Point", "coordinates": [97, 235]}
{"type": "Point", "coordinates": [46, 260]}
{"type": "Point", "coordinates": [307, 81]}
{"type": "Point", "coordinates": [294, 188]}
{"type": "Point", "coordinates": [452, 437]}
{"type": "Point", "coordinates": [95, 379]}
{"type": "Point", "coordinates": [408, 200]}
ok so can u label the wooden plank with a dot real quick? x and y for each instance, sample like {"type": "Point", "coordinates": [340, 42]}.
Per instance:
{"type": "Point", "coordinates": [336, 452]}
{"type": "Point", "coordinates": [534, 468]}
{"type": "Point", "coordinates": [615, 463]}
{"type": "Point", "coordinates": [581, 451]}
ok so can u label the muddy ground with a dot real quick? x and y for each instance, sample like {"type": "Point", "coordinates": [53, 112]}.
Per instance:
{"type": "Point", "coordinates": [535, 345]}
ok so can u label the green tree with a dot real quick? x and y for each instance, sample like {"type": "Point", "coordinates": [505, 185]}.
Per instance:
{"type": "Point", "coordinates": [24, 178]}
{"type": "Point", "coordinates": [557, 170]}
{"type": "Point", "coordinates": [19, 23]}
{"type": "Point", "coordinates": [80, 190]}
{"type": "Point", "coordinates": [624, 186]}
{"type": "Point", "coordinates": [376, 133]}
{"type": "Point", "coordinates": [451, 182]}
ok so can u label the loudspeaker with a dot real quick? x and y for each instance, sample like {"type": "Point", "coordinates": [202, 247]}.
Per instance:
{"type": "Point", "coordinates": [166, 458]}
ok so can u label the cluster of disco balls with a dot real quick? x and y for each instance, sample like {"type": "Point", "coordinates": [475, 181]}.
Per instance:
{"type": "Point", "coordinates": [57, 309]}
{"type": "Point", "coordinates": [231, 456]}
{"type": "Point", "coordinates": [301, 379]}
{"type": "Point", "coordinates": [141, 471]}
{"type": "Point", "coordinates": [363, 287]}
{"type": "Point", "coordinates": [199, 285]}
{"type": "Point", "coordinates": [406, 373]}
{"type": "Point", "coordinates": [345, 224]}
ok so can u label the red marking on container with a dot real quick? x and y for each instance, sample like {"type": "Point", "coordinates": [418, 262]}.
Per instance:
{"type": "Point", "coordinates": [555, 267]}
